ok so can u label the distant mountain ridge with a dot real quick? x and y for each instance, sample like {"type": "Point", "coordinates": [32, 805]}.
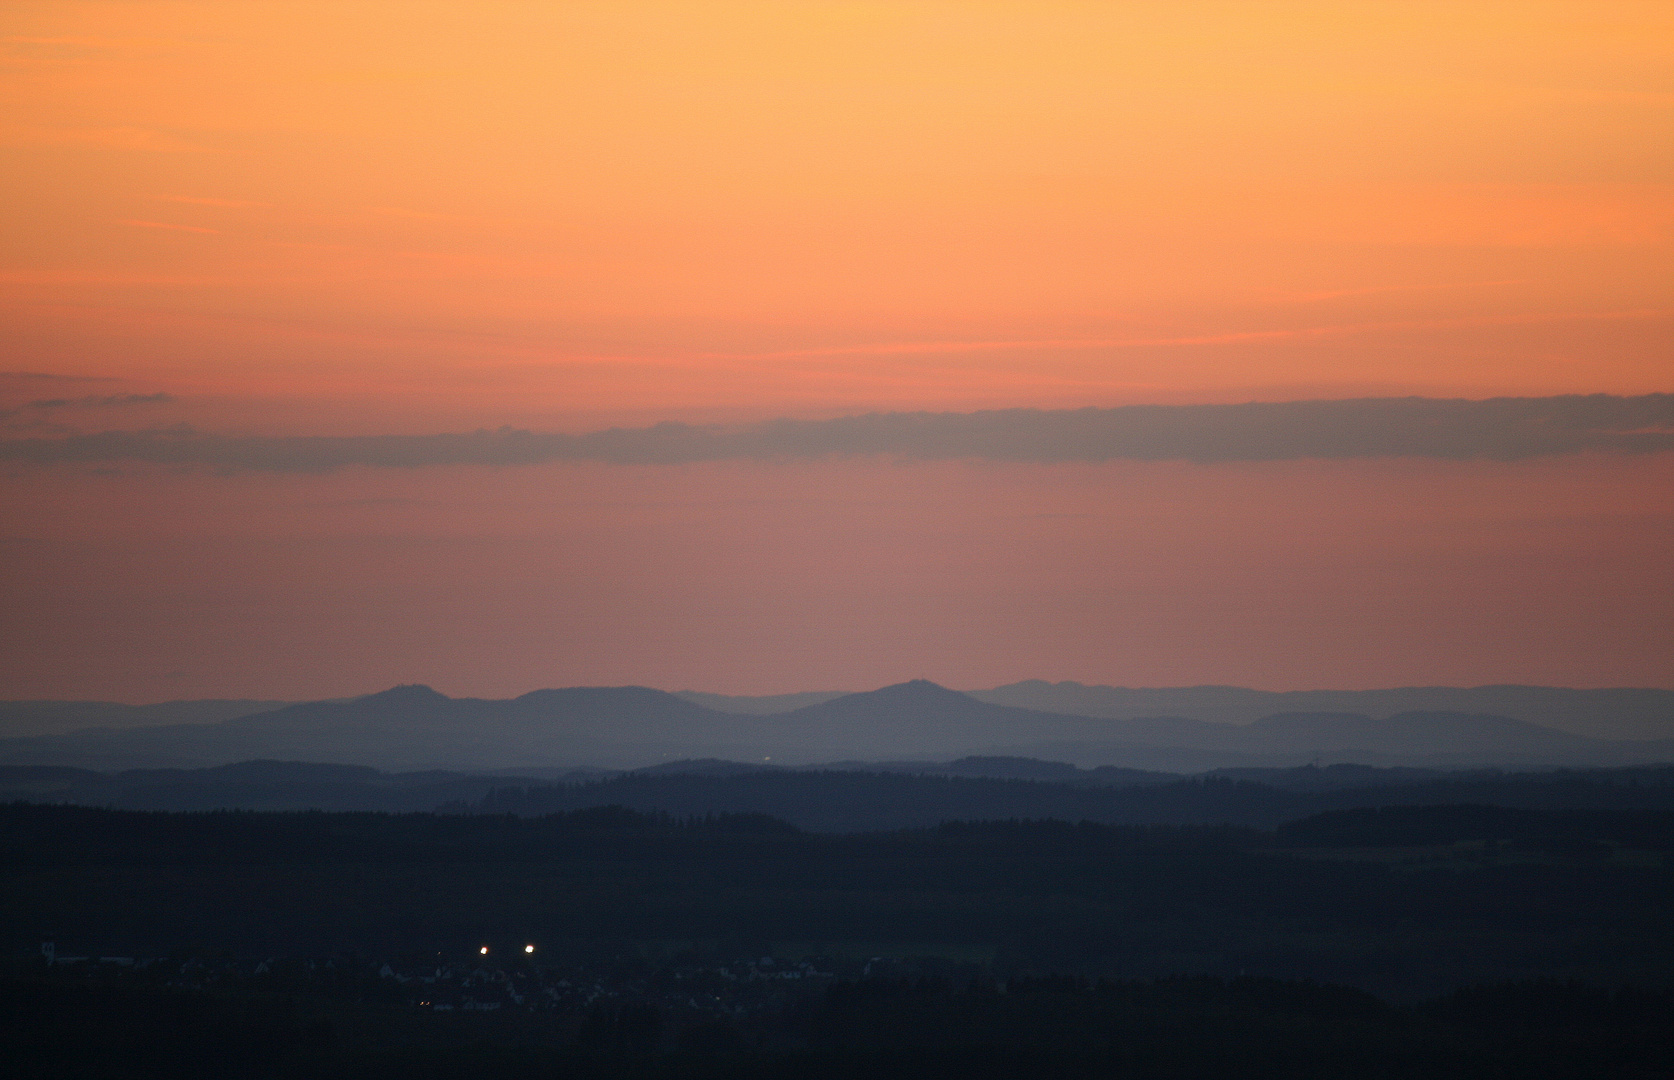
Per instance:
{"type": "Point", "coordinates": [1609, 713]}
{"type": "Point", "coordinates": [414, 727]}
{"type": "Point", "coordinates": [765, 705]}
{"type": "Point", "coordinates": [21, 718]}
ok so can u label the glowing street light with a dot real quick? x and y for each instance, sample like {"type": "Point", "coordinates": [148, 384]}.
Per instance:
{"type": "Point", "coordinates": [483, 950]}
{"type": "Point", "coordinates": [528, 948]}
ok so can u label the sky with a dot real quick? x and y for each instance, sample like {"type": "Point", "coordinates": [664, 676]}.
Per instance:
{"type": "Point", "coordinates": [767, 347]}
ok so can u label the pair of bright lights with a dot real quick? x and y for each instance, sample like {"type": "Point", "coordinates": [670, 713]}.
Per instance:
{"type": "Point", "coordinates": [526, 948]}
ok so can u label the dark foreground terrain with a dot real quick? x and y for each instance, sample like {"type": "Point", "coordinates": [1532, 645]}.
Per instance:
{"type": "Point", "coordinates": [1397, 941]}
{"type": "Point", "coordinates": [884, 1027]}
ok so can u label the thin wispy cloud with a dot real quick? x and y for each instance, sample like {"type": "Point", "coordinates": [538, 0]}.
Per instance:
{"type": "Point", "coordinates": [199, 200]}
{"type": "Point", "coordinates": [121, 137]}
{"type": "Point", "coordinates": [1231, 337]}
{"type": "Point", "coordinates": [1384, 290]}
{"type": "Point", "coordinates": [46, 406]}
{"type": "Point", "coordinates": [1504, 429]}
{"type": "Point", "coordinates": [422, 215]}
{"type": "Point", "coordinates": [50, 376]}
{"type": "Point", "coordinates": [170, 226]}
{"type": "Point", "coordinates": [104, 401]}
{"type": "Point", "coordinates": [99, 43]}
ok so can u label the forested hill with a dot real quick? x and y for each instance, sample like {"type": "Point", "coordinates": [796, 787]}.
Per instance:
{"type": "Point", "coordinates": [1552, 893]}
{"type": "Point", "coordinates": [849, 799]}
{"type": "Point", "coordinates": [856, 798]}
{"type": "Point", "coordinates": [858, 801]}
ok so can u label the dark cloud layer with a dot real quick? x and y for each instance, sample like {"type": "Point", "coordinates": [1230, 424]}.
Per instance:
{"type": "Point", "coordinates": [104, 401]}
{"type": "Point", "coordinates": [97, 401]}
{"type": "Point", "coordinates": [48, 376]}
{"type": "Point", "coordinates": [1499, 429]}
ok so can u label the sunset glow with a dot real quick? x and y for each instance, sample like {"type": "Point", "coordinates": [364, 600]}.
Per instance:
{"type": "Point", "coordinates": [292, 219]}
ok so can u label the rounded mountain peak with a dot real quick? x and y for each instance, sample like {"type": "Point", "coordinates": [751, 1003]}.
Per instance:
{"type": "Point", "coordinates": [916, 688]}
{"type": "Point", "coordinates": [916, 694]}
{"type": "Point", "coordinates": [406, 694]}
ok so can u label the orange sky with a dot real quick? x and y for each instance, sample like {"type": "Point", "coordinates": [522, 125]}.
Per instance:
{"type": "Point", "coordinates": [456, 211]}
{"type": "Point", "coordinates": [347, 217]}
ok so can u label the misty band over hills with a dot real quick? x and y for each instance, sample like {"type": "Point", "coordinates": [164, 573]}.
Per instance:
{"type": "Point", "coordinates": [414, 727]}
{"type": "Point", "coordinates": [1495, 429]}
{"type": "Point", "coordinates": [910, 755]}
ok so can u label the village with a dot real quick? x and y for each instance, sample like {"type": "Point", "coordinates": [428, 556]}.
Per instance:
{"type": "Point", "coordinates": [516, 979]}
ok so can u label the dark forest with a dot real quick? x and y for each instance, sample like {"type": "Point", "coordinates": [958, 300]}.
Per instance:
{"type": "Point", "coordinates": [1382, 941]}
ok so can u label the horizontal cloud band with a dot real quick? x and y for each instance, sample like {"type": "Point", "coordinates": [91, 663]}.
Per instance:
{"type": "Point", "coordinates": [1500, 428]}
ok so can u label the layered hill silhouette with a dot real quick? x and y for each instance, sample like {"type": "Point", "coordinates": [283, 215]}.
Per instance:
{"type": "Point", "coordinates": [1607, 713]}
{"type": "Point", "coordinates": [414, 727]}
{"type": "Point", "coordinates": [870, 797]}
{"type": "Point", "coordinates": [56, 717]}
